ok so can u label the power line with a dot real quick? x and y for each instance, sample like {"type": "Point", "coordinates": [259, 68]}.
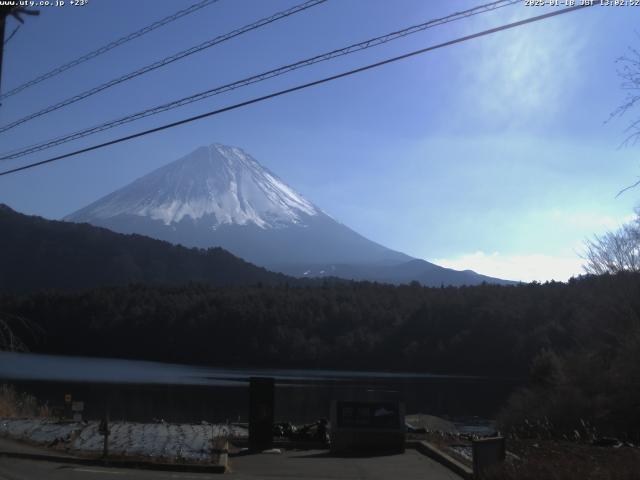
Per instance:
{"type": "Point", "coordinates": [110, 46]}
{"type": "Point", "coordinates": [372, 42]}
{"type": "Point", "coordinates": [301, 87]}
{"type": "Point", "coordinates": [166, 61]}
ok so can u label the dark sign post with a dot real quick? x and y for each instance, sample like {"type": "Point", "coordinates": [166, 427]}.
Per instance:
{"type": "Point", "coordinates": [103, 428]}
{"type": "Point", "coordinates": [67, 405]}
{"type": "Point", "coordinates": [261, 402]}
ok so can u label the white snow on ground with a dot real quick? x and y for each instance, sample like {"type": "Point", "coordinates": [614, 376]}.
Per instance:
{"type": "Point", "coordinates": [38, 430]}
{"type": "Point", "coordinates": [158, 441]}
{"type": "Point", "coordinates": [463, 450]}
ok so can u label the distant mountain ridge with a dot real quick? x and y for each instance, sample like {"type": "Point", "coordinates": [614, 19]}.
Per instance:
{"type": "Point", "coordinates": [221, 196]}
{"type": "Point", "coordinates": [426, 273]}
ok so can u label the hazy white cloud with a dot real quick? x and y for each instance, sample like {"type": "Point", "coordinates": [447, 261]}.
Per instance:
{"type": "Point", "coordinates": [529, 69]}
{"type": "Point", "coordinates": [590, 220]}
{"type": "Point", "coordinates": [525, 267]}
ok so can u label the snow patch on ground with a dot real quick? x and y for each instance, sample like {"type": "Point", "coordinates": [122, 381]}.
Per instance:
{"type": "Point", "coordinates": [40, 431]}
{"type": "Point", "coordinates": [157, 441]}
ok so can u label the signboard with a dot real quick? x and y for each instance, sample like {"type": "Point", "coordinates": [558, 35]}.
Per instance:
{"type": "Point", "coordinates": [77, 406]}
{"type": "Point", "coordinates": [372, 427]}
{"type": "Point", "coordinates": [67, 398]}
{"type": "Point", "coordinates": [375, 415]}
{"type": "Point", "coordinates": [77, 417]}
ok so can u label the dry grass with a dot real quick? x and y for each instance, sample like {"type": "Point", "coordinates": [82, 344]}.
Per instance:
{"type": "Point", "coordinates": [15, 404]}
{"type": "Point", "coordinates": [444, 441]}
{"type": "Point", "coordinates": [551, 459]}
{"type": "Point", "coordinates": [560, 460]}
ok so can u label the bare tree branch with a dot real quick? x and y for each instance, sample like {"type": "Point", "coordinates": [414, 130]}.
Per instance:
{"type": "Point", "coordinates": [8, 339]}
{"type": "Point", "coordinates": [633, 185]}
{"type": "Point", "coordinates": [629, 71]}
{"type": "Point", "coordinates": [615, 252]}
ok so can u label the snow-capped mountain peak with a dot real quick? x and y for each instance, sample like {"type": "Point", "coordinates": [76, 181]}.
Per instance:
{"type": "Point", "coordinates": [220, 184]}
{"type": "Point", "coordinates": [220, 196]}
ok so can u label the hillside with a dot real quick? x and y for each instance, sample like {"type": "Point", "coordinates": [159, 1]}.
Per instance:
{"type": "Point", "coordinates": [36, 253]}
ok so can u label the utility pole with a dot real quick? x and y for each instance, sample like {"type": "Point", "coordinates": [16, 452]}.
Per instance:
{"type": "Point", "coordinates": [15, 12]}
{"type": "Point", "coordinates": [3, 17]}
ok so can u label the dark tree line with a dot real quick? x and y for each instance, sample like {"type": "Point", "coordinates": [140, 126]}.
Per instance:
{"type": "Point", "coordinates": [493, 330]}
{"type": "Point", "coordinates": [578, 344]}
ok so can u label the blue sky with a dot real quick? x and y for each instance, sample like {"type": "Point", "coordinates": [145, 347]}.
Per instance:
{"type": "Point", "coordinates": [492, 155]}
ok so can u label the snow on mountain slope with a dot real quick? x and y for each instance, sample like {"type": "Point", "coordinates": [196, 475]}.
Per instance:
{"type": "Point", "coordinates": [221, 196]}
{"type": "Point", "coordinates": [218, 181]}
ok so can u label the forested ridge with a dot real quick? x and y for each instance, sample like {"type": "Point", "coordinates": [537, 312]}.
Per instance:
{"type": "Point", "coordinates": [488, 329]}
{"type": "Point", "coordinates": [36, 253]}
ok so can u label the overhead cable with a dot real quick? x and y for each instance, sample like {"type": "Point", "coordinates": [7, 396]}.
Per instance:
{"type": "Point", "coordinates": [164, 62]}
{"type": "Point", "coordinates": [370, 43]}
{"type": "Point", "coordinates": [109, 46]}
{"type": "Point", "coordinates": [301, 87]}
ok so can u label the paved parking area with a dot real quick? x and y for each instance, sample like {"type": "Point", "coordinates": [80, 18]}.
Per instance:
{"type": "Point", "coordinates": [18, 469]}
{"type": "Point", "coordinates": [318, 464]}
{"type": "Point", "coordinates": [291, 464]}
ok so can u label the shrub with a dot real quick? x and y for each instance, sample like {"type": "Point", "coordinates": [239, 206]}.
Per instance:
{"type": "Point", "coordinates": [15, 404]}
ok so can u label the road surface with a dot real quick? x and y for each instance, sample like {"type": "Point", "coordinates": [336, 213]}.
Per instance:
{"type": "Point", "coordinates": [307, 464]}
{"type": "Point", "coordinates": [319, 465]}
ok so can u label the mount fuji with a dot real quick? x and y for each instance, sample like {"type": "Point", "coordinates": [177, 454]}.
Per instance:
{"type": "Point", "coordinates": [221, 196]}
